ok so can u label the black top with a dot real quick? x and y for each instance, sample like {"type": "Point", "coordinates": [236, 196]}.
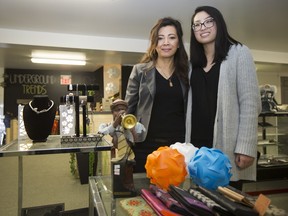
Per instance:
{"type": "Point", "coordinates": [204, 105]}
{"type": "Point", "coordinates": [167, 118]}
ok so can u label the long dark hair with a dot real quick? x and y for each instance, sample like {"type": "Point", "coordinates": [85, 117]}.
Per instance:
{"type": "Point", "coordinates": [180, 59]}
{"type": "Point", "coordinates": [223, 40]}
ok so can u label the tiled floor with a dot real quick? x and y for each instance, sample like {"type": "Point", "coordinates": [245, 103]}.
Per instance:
{"type": "Point", "coordinates": [46, 180]}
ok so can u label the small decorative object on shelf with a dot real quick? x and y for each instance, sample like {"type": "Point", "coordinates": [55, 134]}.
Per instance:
{"type": "Point", "coordinates": [267, 97]}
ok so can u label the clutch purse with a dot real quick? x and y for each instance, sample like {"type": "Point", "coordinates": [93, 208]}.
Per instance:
{"type": "Point", "coordinates": [194, 206]}
{"type": "Point", "coordinates": [136, 206]}
{"type": "Point", "coordinates": [210, 203]}
{"type": "Point", "coordinates": [169, 201]}
{"type": "Point", "coordinates": [237, 197]}
{"type": "Point", "coordinates": [156, 204]}
{"type": "Point", "coordinates": [235, 208]}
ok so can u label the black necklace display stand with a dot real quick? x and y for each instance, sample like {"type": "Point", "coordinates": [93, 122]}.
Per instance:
{"type": "Point", "coordinates": [38, 116]}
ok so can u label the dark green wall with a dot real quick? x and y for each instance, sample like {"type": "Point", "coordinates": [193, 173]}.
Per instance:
{"type": "Point", "coordinates": [24, 84]}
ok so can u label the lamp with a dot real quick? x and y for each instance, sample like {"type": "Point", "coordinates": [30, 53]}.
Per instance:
{"type": "Point", "coordinates": [58, 57]}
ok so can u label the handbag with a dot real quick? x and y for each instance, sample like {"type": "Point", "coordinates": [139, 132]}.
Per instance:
{"type": "Point", "coordinates": [235, 208]}
{"type": "Point", "coordinates": [169, 201]}
{"type": "Point", "coordinates": [220, 210]}
{"type": "Point", "coordinates": [156, 204]}
{"type": "Point", "coordinates": [195, 206]}
{"type": "Point", "coordinates": [136, 206]}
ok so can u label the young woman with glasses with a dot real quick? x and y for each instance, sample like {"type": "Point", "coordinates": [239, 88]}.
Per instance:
{"type": "Point", "coordinates": [224, 100]}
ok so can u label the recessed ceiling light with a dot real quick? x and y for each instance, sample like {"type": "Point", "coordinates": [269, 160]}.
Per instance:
{"type": "Point", "coordinates": [58, 61]}
{"type": "Point", "coordinates": [58, 57]}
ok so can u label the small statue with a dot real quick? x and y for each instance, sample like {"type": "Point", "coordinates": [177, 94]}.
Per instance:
{"type": "Point", "coordinates": [124, 130]}
{"type": "Point", "coordinates": [268, 98]}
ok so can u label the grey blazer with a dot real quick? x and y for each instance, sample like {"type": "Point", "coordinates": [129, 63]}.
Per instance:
{"type": "Point", "coordinates": [140, 93]}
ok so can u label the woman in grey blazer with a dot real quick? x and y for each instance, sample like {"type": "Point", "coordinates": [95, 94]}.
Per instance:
{"type": "Point", "coordinates": [224, 98]}
{"type": "Point", "coordinates": [157, 90]}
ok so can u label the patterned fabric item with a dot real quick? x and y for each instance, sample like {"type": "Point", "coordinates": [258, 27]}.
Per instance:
{"type": "Point", "coordinates": [233, 207]}
{"type": "Point", "coordinates": [137, 206]}
{"type": "Point", "coordinates": [209, 202]}
{"type": "Point", "coordinates": [191, 203]}
{"type": "Point", "coordinates": [156, 204]}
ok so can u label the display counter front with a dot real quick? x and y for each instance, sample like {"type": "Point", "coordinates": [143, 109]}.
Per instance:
{"type": "Point", "coordinates": [53, 145]}
{"type": "Point", "coordinates": [102, 202]}
{"type": "Point", "coordinates": [273, 146]}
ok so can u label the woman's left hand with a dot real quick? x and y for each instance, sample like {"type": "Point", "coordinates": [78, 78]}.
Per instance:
{"type": "Point", "coordinates": [243, 161]}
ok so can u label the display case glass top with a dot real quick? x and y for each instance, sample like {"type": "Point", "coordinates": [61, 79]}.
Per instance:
{"type": "Point", "coordinates": [53, 145]}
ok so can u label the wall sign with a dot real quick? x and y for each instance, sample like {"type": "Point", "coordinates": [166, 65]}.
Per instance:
{"type": "Point", "coordinates": [21, 85]}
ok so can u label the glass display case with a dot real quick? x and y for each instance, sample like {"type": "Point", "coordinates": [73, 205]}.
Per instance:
{"type": "Point", "coordinates": [273, 145]}
{"type": "Point", "coordinates": [53, 145]}
{"type": "Point", "coordinates": [101, 200]}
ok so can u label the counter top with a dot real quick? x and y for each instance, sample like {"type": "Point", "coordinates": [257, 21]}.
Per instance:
{"type": "Point", "coordinates": [53, 145]}
{"type": "Point", "coordinates": [102, 202]}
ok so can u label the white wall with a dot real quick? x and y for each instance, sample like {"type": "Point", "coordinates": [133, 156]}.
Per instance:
{"type": "Point", "coordinates": [33, 38]}
{"type": "Point", "coordinates": [270, 57]}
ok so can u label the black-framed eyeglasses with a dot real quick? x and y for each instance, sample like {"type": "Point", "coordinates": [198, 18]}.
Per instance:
{"type": "Point", "coordinates": [207, 23]}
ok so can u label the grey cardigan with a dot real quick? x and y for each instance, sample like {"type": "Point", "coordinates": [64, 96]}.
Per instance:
{"type": "Point", "coordinates": [140, 93]}
{"type": "Point", "coordinates": [238, 107]}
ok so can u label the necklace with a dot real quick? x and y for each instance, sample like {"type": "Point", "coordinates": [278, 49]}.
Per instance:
{"type": "Point", "coordinates": [169, 79]}
{"type": "Point", "coordinates": [41, 111]}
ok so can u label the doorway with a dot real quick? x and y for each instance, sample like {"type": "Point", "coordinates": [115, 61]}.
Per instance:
{"type": "Point", "coordinates": [284, 90]}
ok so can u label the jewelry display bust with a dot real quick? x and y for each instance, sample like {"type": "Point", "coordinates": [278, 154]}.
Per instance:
{"type": "Point", "coordinates": [38, 116]}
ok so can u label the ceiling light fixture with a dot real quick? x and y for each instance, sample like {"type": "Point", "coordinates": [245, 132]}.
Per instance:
{"type": "Point", "coordinates": [58, 61]}
{"type": "Point", "coordinates": [58, 57]}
